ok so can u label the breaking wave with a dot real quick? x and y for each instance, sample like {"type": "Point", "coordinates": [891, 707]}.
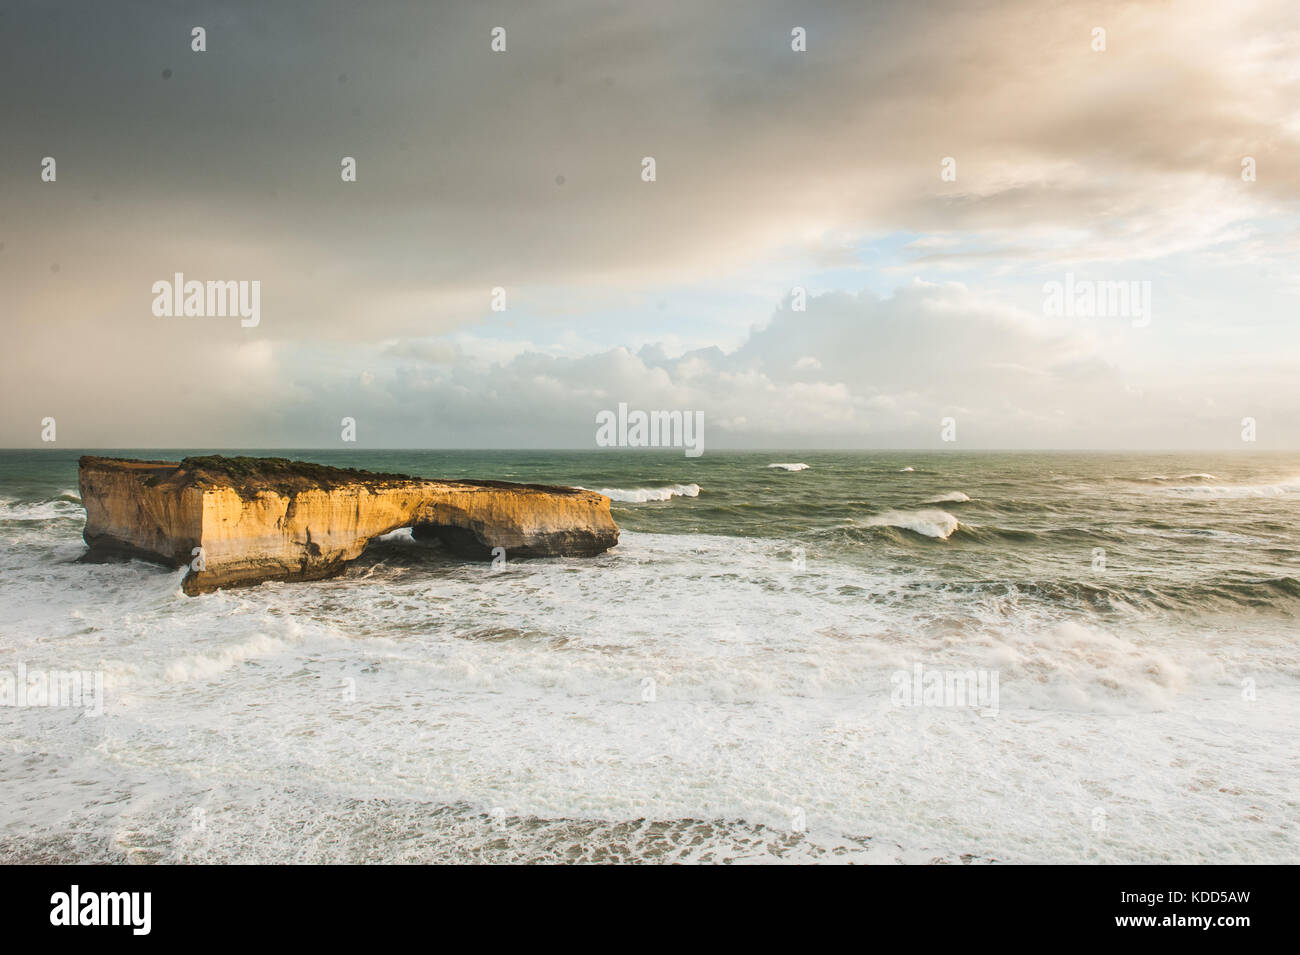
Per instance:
{"type": "Point", "coordinates": [790, 467]}
{"type": "Point", "coordinates": [952, 497]}
{"type": "Point", "coordinates": [929, 523]}
{"type": "Point", "coordinates": [66, 504]}
{"type": "Point", "coordinates": [1235, 490]}
{"type": "Point", "coordinates": [644, 495]}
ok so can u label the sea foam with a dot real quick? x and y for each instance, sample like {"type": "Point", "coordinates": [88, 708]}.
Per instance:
{"type": "Point", "coordinates": [1229, 491]}
{"type": "Point", "coordinates": [644, 495]}
{"type": "Point", "coordinates": [929, 523]}
{"type": "Point", "coordinates": [681, 698]}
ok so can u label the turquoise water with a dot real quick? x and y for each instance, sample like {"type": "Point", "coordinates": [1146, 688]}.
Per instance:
{"type": "Point", "coordinates": [719, 686]}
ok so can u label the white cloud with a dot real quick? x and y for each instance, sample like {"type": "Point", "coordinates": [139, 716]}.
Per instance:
{"type": "Point", "coordinates": [872, 372]}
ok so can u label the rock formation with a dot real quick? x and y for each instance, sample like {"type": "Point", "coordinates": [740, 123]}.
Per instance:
{"type": "Point", "coordinates": [241, 521]}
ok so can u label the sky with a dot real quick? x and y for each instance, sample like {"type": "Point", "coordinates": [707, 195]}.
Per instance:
{"type": "Point", "coordinates": [924, 283]}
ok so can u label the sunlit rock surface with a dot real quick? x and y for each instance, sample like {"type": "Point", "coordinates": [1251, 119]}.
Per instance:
{"type": "Point", "coordinates": [259, 519]}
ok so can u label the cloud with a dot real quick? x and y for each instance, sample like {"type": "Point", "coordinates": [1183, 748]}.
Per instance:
{"type": "Point", "coordinates": [873, 372]}
{"type": "Point", "coordinates": [521, 170]}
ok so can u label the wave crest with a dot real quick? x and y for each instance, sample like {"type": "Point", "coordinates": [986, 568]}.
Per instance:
{"type": "Point", "coordinates": [1235, 490]}
{"type": "Point", "coordinates": [929, 523]}
{"type": "Point", "coordinates": [65, 505]}
{"type": "Point", "coordinates": [644, 495]}
{"type": "Point", "coordinates": [952, 497]}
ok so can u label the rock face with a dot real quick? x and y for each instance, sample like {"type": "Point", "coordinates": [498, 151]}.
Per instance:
{"type": "Point", "coordinates": [259, 519]}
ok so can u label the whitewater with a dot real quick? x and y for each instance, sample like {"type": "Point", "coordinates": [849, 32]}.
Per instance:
{"type": "Point", "coordinates": [715, 688]}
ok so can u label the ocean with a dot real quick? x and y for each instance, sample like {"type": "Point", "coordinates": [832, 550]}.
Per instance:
{"type": "Point", "coordinates": [737, 681]}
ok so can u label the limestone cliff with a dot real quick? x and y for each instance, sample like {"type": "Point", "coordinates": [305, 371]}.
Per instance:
{"type": "Point", "coordinates": [259, 519]}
